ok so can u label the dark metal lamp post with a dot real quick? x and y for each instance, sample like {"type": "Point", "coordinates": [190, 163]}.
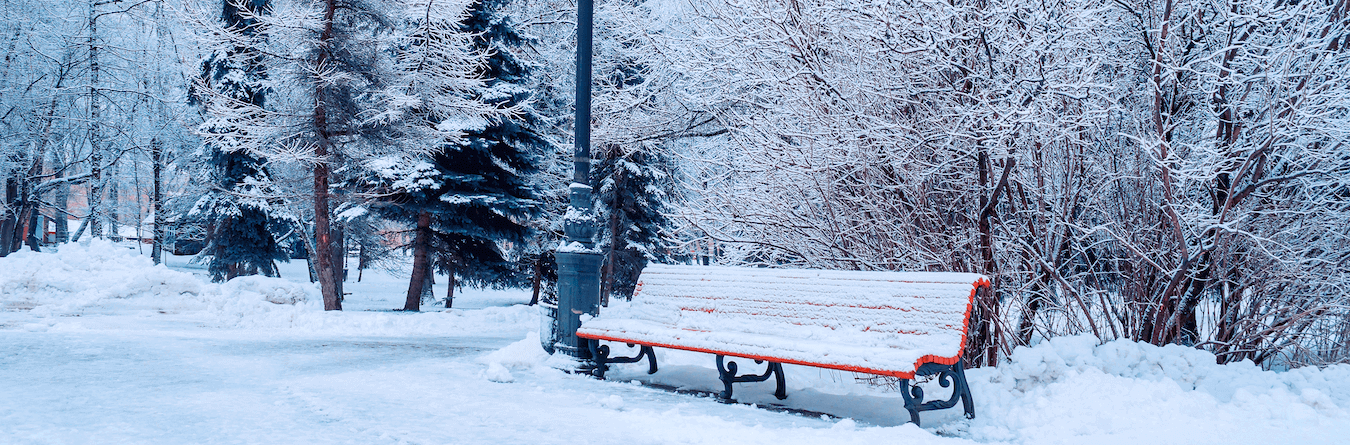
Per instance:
{"type": "Point", "coordinates": [578, 260]}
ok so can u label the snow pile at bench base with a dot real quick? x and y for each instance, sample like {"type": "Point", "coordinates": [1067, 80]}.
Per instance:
{"type": "Point", "coordinates": [1067, 390]}
{"type": "Point", "coordinates": [885, 323]}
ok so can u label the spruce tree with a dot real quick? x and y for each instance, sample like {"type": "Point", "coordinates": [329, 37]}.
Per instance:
{"type": "Point", "coordinates": [239, 210]}
{"type": "Point", "coordinates": [473, 196]}
{"type": "Point", "coordinates": [630, 178]}
{"type": "Point", "coordinates": [631, 202]}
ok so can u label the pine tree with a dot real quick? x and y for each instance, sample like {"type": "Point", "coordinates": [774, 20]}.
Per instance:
{"type": "Point", "coordinates": [240, 215]}
{"type": "Point", "coordinates": [473, 196]}
{"type": "Point", "coordinates": [631, 201]}
{"type": "Point", "coordinates": [629, 176]}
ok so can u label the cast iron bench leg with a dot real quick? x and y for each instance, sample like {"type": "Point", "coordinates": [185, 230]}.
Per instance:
{"type": "Point", "coordinates": [948, 375]}
{"type": "Point", "coordinates": [600, 353]}
{"type": "Point", "coordinates": [781, 392]}
{"type": "Point", "coordinates": [967, 402]}
{"type": "Point", "coordinates": [726, 371]}
{"type": "Point", "coordinates": [910, 393]}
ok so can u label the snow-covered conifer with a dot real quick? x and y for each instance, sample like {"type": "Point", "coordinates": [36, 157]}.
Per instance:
{"type": "Point", "coordinates": [240, 209]}
{"type": "Point", "coordinates": [471, 196]}
{"type": "Point", "coordinates": [365, 82]}
{"type": "Point", "coordinates": [631, 205]}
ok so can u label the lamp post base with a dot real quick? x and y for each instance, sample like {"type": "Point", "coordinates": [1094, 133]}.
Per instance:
{"type": "Point", "coordinates": [578, 293]}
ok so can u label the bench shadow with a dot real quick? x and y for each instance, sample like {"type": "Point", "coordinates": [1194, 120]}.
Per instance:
{"type": "Point", "coordinates": [881, 408]}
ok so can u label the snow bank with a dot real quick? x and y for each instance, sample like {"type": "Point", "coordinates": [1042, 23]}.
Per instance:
{"type": "Point", "coordinates": [84, 274]}
{"type": "Point", "coordinates": [524, 354]}
{"type": "Point", "coordinates": [1070, 390]}
{"type": "Point", "coordinates": [1066, 390]}
{"type": "Point", "coordinates": [99, 277]}
{"type": "Point", "coordinates": [1064, 357]}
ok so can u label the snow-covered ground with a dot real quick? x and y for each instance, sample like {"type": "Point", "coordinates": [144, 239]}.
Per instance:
{"type": "Point", "coordinates": [98, 346]}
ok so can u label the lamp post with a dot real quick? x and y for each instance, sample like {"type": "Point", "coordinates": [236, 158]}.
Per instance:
{"type": "Point", "coordinates": [578, 260]}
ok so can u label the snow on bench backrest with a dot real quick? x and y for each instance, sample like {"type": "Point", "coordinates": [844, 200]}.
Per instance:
{"type": "Point", "coordinates": [899, 310]}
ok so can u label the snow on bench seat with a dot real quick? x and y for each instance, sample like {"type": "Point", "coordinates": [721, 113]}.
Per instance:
{"type": "Point", "coordinates": [886, 323]}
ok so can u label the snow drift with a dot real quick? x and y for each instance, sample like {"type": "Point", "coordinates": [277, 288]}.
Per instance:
{"type": "Point", "coordinates": [100, 276]}
{"type": "Point", "coordinates": [1070, 389]}
{"type": "Point", "coordinates": [85, 274]}
{"type": "Point", "coordinates": [1066, 390]}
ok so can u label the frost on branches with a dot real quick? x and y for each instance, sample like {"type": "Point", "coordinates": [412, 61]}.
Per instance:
{"type": "Point", "coordinates": [1171, 172]}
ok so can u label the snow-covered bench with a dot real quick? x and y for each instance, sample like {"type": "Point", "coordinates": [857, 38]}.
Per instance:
{"type": "Point", "coordinates": [900, 324]}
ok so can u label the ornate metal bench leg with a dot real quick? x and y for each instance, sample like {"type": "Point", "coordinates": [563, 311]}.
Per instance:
{"type": "Point", "coordinates": [726, 373]}
{"type": "Point", "coordinates": [781, 392]}
{"type": "Point", "coordinates": [959, 369]}
{"type": "Point", "coordinates": [913, 397]}
{"type": "Point", "coordinates": [948, 376]}
{"type": "Point", "coordinates": [651, 358]}
{"type": "Point", "coordinates": [600, 354]}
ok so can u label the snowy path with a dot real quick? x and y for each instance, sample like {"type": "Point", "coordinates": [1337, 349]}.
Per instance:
{"type": "Point", "coordinates": [175, 387]}
{"type": "Point", "coordinates": [200, 385]}
{"type": "Point", "coordinates": [98, 347]}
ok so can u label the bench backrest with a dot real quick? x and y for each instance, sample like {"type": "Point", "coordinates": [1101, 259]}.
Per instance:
{"type": "Point", "coordinates": [904, 310]}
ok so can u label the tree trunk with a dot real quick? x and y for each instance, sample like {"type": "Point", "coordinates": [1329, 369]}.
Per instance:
{"type": "Point", "coordinates": [79, 231]}
{"type": "Point", "coordinates": [95, 196]}
{"type": "Point", "coordinates": [988, 335]}
{"type": "Point", "coordinates": [323, 239]}
{"type": "Point", "coordinates": [308, 238]}
{"type": "Point", "coordinates": [332, 299]}
{"type": "Point", "coordinates": [157, 201]}
{"type": "Point", "coordinates": [421, 263]}
{"type": "Point", "coordinates": [615, 239]}
{"type": "Point", "coordinates": [537, 280]}
{"type": "Point", "coordinates": [450, 291]}
{"type": "Point", "coordinates": [361, 263]}
{"type": "Point", "coordinates": [62, 206]}
{"type": "Point", "coordinates": [33, 229]}
{"type": "Point", "coordinates": [114, 204]}
{"type": "Point", "coordinates": [429, 289]}
{"type": "Point", "coordinates": [28, 216]}
{"type": "Point", "coordinates": [11, 216]}
{"type": "Point", "coordinates": [340, 259]}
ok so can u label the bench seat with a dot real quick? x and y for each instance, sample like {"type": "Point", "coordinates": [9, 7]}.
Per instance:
{"type": "Point", "coordinates": [867, 359]}
{"type": "Point", "coordinates": [884, 323]}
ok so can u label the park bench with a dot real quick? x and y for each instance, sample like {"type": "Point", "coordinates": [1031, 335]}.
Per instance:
{"type": "Point", "coordinates": [899, 324]}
